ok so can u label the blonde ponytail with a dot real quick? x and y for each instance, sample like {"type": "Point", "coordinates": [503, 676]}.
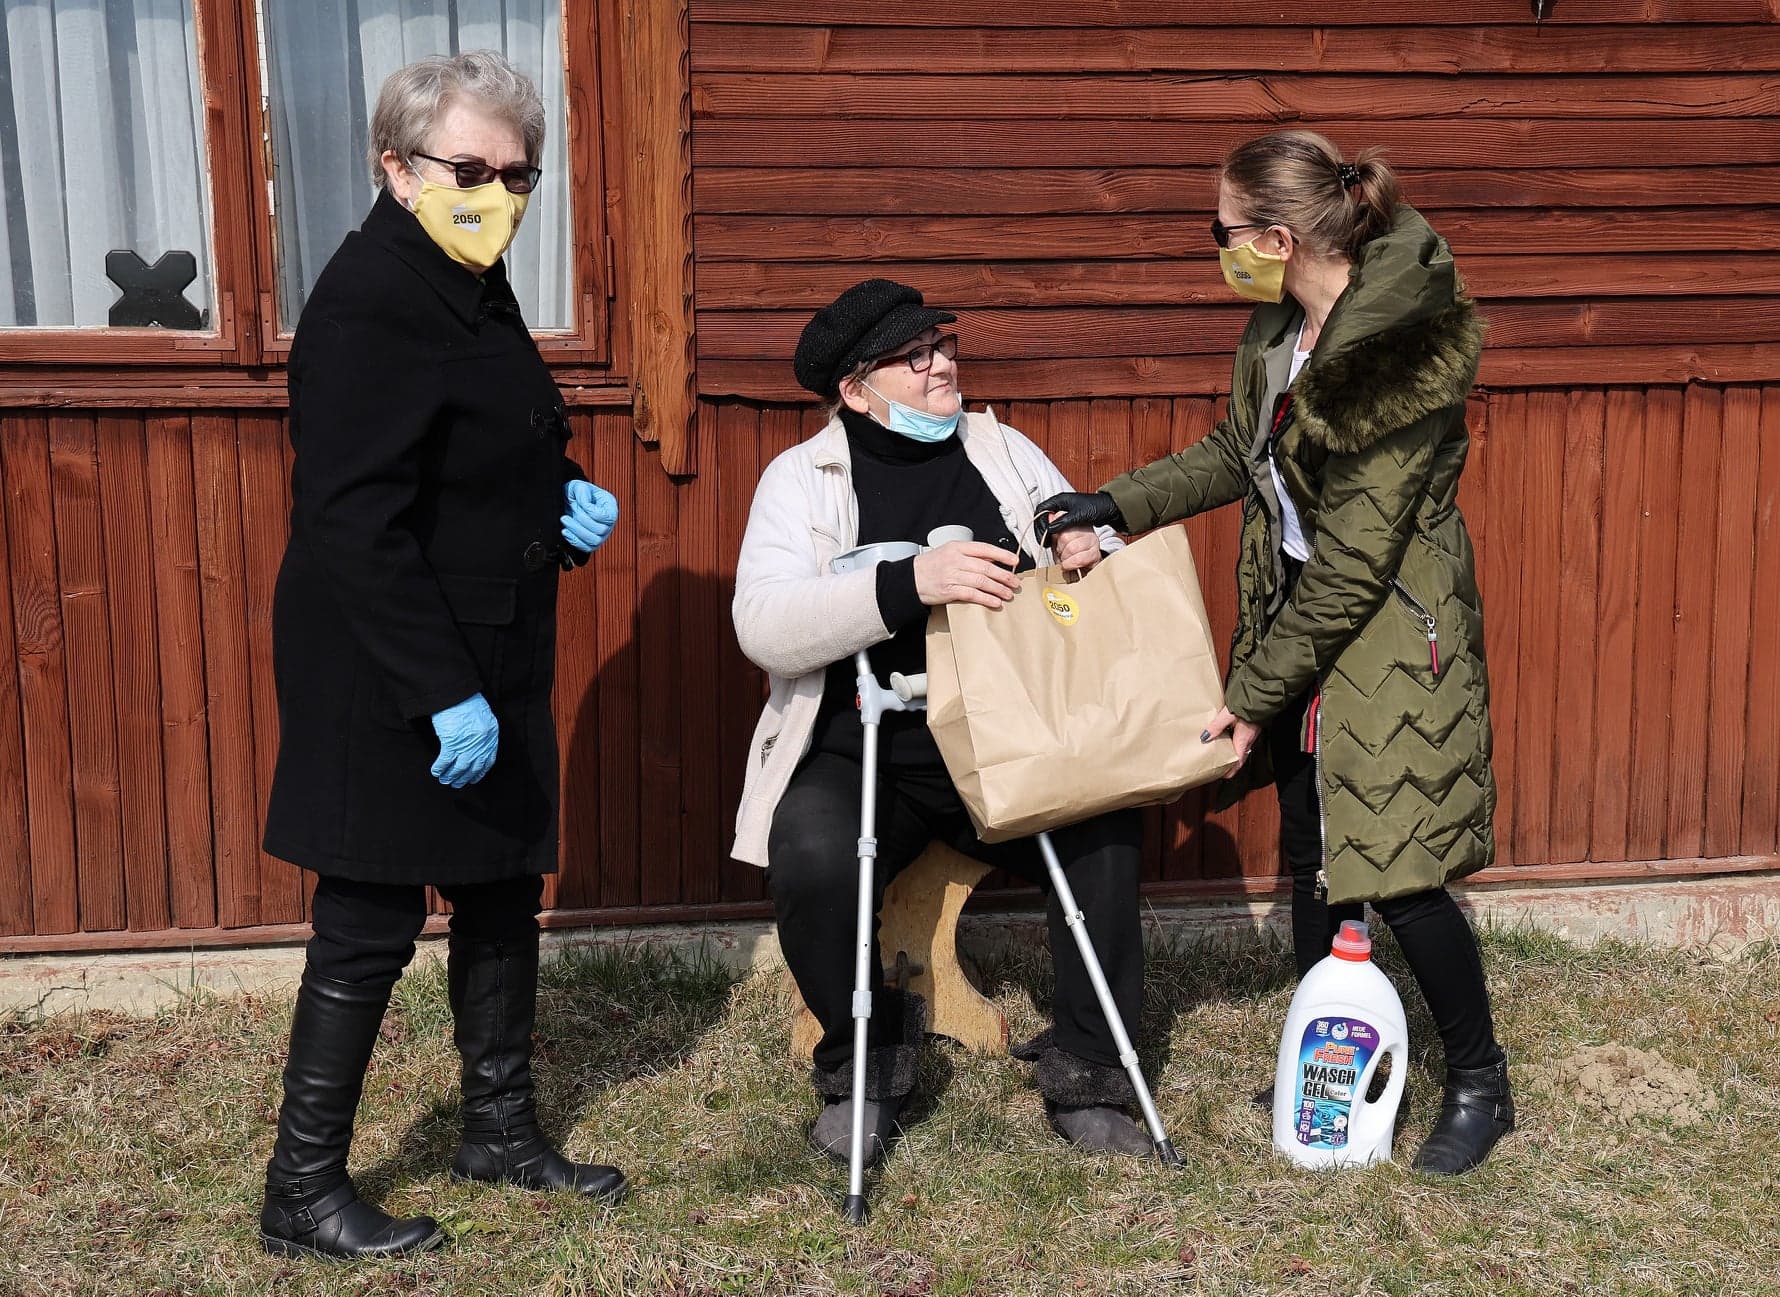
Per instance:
{"type": "Point", "coordinates": [1298, 179]}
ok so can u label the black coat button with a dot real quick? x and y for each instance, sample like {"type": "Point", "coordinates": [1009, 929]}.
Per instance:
{"type": "Point", "coordinates": [546, 419]}
{"type": "Point", "coordinates": [536, 556]}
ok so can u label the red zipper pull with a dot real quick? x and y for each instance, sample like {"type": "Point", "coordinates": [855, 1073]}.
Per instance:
{"type": "Point", "coordinates": [1433, 647]}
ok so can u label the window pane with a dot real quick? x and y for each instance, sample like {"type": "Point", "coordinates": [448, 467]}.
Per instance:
{"type": "Point", "coordinates": [101, 148]}
{"type": "Point", "coordinates": [326, 62]}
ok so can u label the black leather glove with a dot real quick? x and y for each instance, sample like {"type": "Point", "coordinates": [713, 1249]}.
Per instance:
{"type": "Point", "coordinates": [1079, 509]}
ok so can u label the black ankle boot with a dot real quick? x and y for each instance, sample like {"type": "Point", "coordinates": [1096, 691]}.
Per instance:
{"type": "Point", "coordinates": [311, 1208]}
{"type": "Point", "coordinates": [1476, 1111]}
{"type": "Point", "coordinates": [494, 988]}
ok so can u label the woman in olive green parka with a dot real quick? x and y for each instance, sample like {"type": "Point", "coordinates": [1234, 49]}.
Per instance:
{"type": "Point", "coordinates": [1357, 668]}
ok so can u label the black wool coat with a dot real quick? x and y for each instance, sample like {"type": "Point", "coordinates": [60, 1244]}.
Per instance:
{"type": "Point", "coordinates": [424, 551]}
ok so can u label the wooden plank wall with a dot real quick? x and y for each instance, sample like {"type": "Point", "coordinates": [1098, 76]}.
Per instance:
{"type": "Point", "coordinates": [1610, 180]}
{"type": "Point", "coordinates": [1629, 548]}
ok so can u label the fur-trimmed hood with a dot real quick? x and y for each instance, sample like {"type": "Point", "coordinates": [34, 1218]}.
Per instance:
{"type": "Point", "coordinates": [1402, 342]}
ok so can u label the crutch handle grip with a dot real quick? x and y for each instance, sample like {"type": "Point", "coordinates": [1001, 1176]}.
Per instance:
{"type": "Point", "coordinates": [909, 688]}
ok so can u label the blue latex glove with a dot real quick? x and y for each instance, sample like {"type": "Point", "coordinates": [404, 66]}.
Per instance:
{"type": "Point", "coordinates": [468, 735]}
{"type": "Point", "coordinates": [592, 513]}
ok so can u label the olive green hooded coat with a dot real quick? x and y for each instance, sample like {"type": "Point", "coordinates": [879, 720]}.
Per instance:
{"type": "Point", "coordinates": [1385, 624]}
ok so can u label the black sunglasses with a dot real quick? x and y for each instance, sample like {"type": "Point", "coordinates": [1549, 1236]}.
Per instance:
{"type": "Point", "coordinates": [517, 179]}
{"type": "Point", "coordinates": [920, 359]}
{"type": "Point", "coordinates": [1222, 232]}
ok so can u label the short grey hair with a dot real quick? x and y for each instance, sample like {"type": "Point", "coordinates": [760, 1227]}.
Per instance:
{"type": "Point", "coordinates": [415, 97]}
{"type": "Point", "coordinates": [859, 372]}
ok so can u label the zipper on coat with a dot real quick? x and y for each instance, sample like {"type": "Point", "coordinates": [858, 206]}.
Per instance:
{"type": "Point", "coordinates": [1427, 619]}
{"type": "Point", "coordinates": [1314, 718]}
{"type": "Point", "coordinates": [1282, 417]}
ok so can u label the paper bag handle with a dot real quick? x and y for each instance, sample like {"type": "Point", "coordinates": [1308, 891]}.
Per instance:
{"type": "Point", "coordinates": [1052, 571]}
{"type": "Point", "coordinates": [1038, 535]}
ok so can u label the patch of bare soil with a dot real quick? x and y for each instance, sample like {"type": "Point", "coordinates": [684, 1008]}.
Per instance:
{"type": "Point", "coordinates": [1628, 1085]}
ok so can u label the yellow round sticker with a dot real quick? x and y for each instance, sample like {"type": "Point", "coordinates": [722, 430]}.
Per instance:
{"type": "Point", "coordinates": [1061, 606]}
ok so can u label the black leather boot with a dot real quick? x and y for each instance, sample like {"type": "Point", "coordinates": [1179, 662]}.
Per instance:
{"type": "Point", "coordinates": [494, 993]}
{"type": "Point", "coordinates": [311, 1208]}
{"type": "Point", "coordinates": [1477, 1110]}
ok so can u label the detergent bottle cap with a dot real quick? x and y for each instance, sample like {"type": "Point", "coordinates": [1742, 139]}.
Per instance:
{"type": "Point", "coordinates": [1352, 942]}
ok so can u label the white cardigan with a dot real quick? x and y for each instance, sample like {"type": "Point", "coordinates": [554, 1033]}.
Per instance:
{"type": "Point", "coordinates": [793, 617]}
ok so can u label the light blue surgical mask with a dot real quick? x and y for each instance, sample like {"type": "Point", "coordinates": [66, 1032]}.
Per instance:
{"type": "Point", "coordinates": [918, 425]}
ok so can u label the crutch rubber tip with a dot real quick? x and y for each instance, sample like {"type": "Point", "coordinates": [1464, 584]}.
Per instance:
{"type": "Point", "coordinates": [856, 1211]}
{"type": "Point", "coordinates": [1166, 1155]}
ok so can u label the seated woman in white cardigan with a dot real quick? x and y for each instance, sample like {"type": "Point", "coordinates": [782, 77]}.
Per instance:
{"type": "Point", "coordinates": [899, 458]}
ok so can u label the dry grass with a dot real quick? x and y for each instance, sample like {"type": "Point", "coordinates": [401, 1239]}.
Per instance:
{"type": "Point", "coordinates": [131, 1151]}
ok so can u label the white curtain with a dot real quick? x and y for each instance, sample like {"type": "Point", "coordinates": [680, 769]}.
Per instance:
{"type": "Point", "coordinates": [101, 147]}
{"type": "Point", "coordinates": [328, 59]}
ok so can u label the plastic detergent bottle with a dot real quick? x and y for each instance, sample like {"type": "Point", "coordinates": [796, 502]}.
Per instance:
{"type": "Point", "coordinates": [1344, 1021]}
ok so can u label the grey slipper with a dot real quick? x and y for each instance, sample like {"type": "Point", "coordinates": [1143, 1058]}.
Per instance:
{"type": "Point", "coordinates": [1101, 1129]}
{"type": "Point", "coordinates": [832, 1135]}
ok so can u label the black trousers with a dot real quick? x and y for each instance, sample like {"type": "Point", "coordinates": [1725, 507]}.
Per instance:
{"type": "Point", "coordinates": [813, 873]}
{"type": "Point", "coordinates": [1433, 932]}
{"type": "Point", "coordinates": [364, 932]}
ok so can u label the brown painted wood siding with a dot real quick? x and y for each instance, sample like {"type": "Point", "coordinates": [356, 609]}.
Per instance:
{"type": "Point", "coordinates": [1609, 180]}
{"type": "Point", "coordinates": [1629, 549]}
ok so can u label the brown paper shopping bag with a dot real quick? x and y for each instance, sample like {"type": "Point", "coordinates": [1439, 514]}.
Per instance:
{"type": "Point", "coordinates": [1078, 697]}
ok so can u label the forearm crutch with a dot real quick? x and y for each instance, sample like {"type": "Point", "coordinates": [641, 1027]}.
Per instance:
{"type": "Point", "coordinates": [874, 701]}
{"type": "Point", "coordinates": [911, 691]}
{"type": "Point", "coordinates": [863, 947]}
{"type": "Point", "coordinates": [1077, 924]}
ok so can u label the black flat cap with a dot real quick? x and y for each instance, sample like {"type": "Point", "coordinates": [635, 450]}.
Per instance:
{"type": "Point", "coordinates": [872, 317]}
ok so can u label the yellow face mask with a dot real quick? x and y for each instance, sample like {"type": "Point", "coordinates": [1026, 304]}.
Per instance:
{"type": "Point", "coordinates": [1253, 274]}
{"type": "Point", "coordinates": [474, 226]}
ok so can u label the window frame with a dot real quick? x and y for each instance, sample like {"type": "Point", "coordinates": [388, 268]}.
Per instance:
{"type": "Point", "coordinates": [231, 339]}
{"type": "Point", "coordinates": [243, 225]}
{"type": "Point", "coordinates": [588, 340]}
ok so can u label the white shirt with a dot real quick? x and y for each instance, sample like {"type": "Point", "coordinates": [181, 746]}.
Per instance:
{"type": "Point", "coordinates": [1293, 542]}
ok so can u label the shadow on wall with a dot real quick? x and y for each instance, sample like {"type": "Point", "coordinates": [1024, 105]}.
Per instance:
{"type": "Point", "coordinates": [656, 705]}
{"type": "Point", "coordinates": [655, 713]}
{"type": "Point", "coordinates": [653, 727]}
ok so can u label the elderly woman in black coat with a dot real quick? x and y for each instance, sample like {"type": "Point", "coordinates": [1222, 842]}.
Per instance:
{"type": "Point", "coordinates": [433, 509]}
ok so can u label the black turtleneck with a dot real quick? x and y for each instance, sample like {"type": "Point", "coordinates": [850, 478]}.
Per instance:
{"type": "Point", "coordinates": [905, 488]}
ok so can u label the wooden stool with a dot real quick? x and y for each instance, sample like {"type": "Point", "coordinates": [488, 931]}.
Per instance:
{"type": "Point", "coordinates": [918, 933]}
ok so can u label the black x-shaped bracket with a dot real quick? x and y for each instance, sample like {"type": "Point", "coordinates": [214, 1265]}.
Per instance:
{"type": "Point", "coordinates": [153, 296]}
